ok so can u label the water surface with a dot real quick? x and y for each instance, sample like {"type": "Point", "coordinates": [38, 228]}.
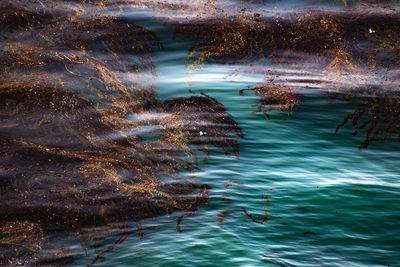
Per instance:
{"type": "Point", "coordinates": [200, 133]}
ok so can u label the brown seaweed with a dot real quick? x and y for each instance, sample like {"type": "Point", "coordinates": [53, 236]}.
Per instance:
{"type": "Point", "coordinates": [339, 46]}
{"type": "Point", "coordinates": [230, 183]}
{"type": "Point", "coordinates": [225, 198]}
{"type": "Point", "coordinates": [265, 213]}
{"type": "Point", "coordinates": [69, 169]}
{"type": "Point", "coordinates": [308, 233]}
{"type": "Point", "coordinates": [73, 164]}
{"type": "Point", "coordinates": [203, 121]}
{"type": "Point", "coordinates": [221, 217]}
{"type": "Point", "coordinates": [77, 157]}
{"type": "Point", "coordinates": [244, 36]}
{"type": "Point", "coordinates": [275, 97]}
{"type": "Point", "coordinates": [47, 47]}
{"type": "Point", "coordinates": [378, 116]}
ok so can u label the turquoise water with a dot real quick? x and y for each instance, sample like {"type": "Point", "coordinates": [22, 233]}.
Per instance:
{"type": "Point", "coordinates": [321, 184]}
{"type": "Point", "coordinates": [329, 202]}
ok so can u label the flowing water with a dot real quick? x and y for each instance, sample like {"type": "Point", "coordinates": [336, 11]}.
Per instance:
{"type": "Point", "coordinates": [200, 133]}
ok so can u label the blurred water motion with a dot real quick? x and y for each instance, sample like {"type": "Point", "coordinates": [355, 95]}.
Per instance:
{"type": "Point", "coordinates": [93, 144]}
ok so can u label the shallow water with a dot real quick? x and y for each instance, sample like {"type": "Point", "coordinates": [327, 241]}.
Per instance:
{"type": "Point", "coordinates": [319, 198]}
